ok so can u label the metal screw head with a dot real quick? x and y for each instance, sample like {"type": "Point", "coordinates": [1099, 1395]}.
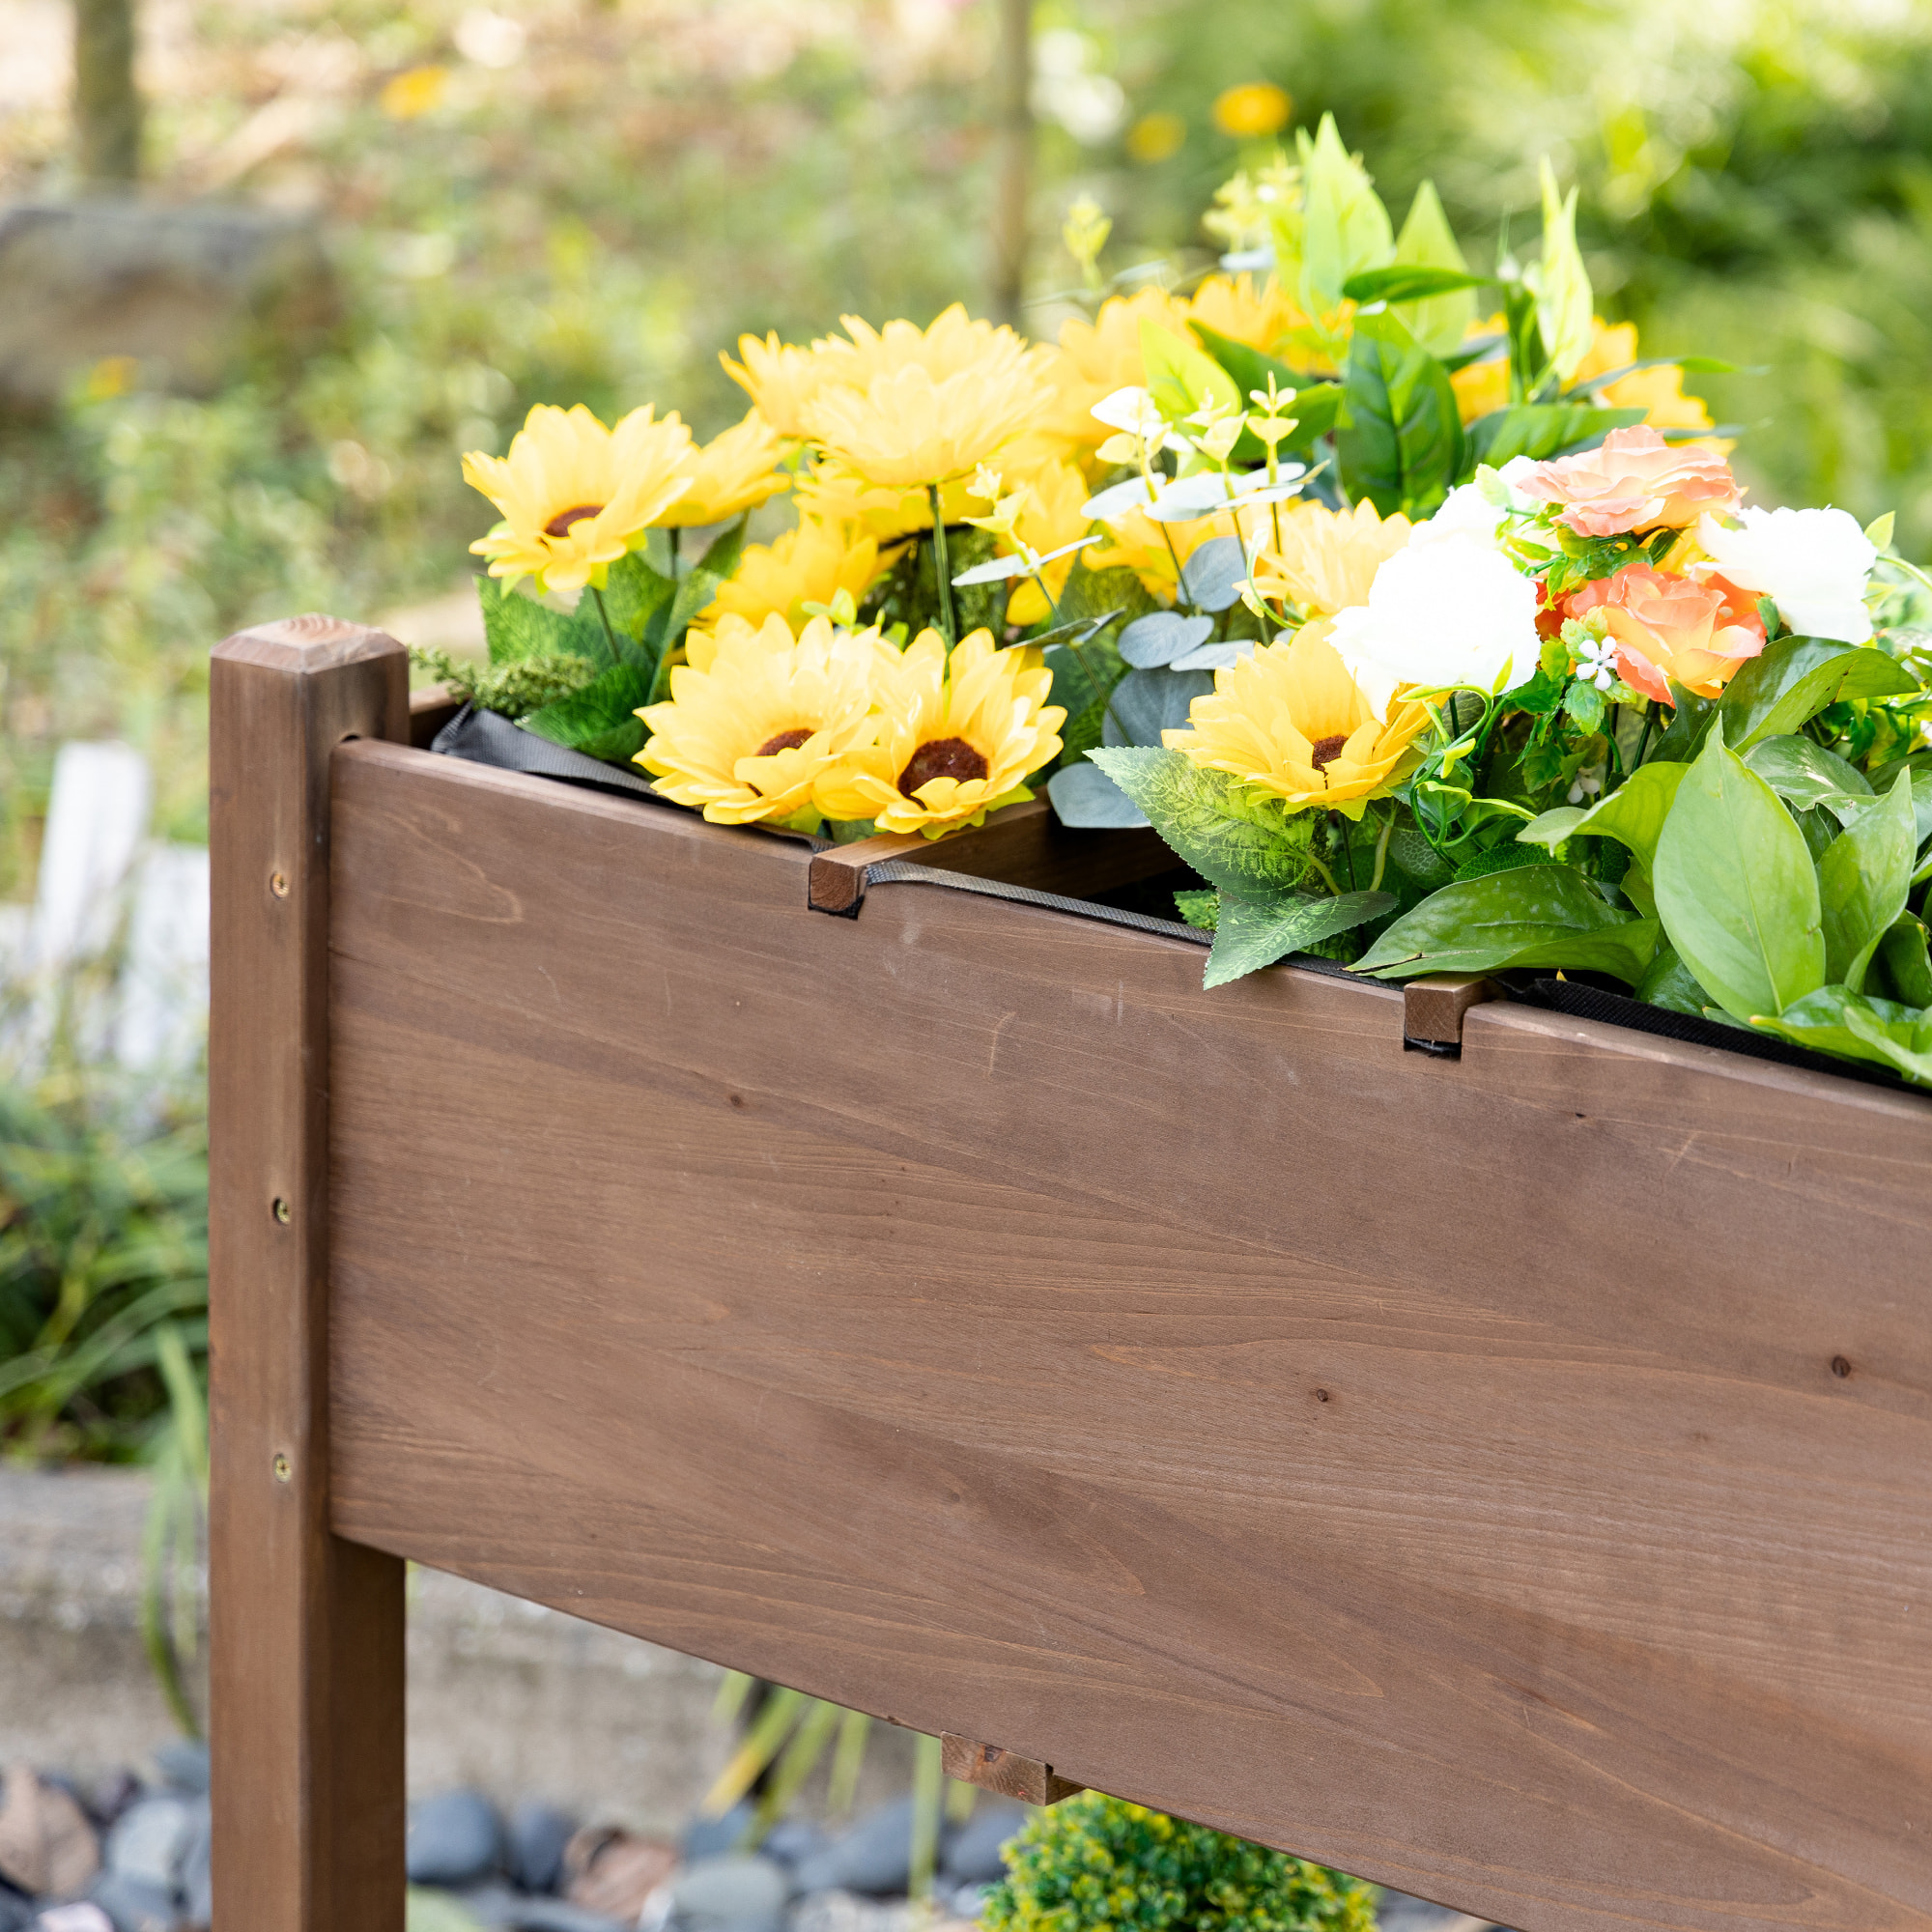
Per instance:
{"type": "Point", "coordinates": [282, 1211]}
{"type": "Point", "coordinates": [283, 1467]}
{"type": "Point", "coordinates": [278, 884]}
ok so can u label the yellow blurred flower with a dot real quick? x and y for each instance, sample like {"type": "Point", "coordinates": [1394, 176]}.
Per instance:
{"type": "Point", "coordinates": [416, 89]}
{"type": "Point", "coordinates": [1154, 551]}
{"type": "Point", "coordinates": [1253, 109]}
{"type": "Point", "coordinates": [1290, 720]}
{"type": "Point", "coordinates": [758, 722]}
{"type": "Point", "coordinates": [1050, 520]}
{"type": "Point", "coordinates": [1258, 315]}
{"type": "Point", "coordinates": [1154, 136]}
{"type": "Point", "coordinates": [573, 494]}
{"type": "Point", "coordinates": [732, 473]}
{"type": "Point", "coordinates": [1482, 387]}
{"type": "Point", "coordinates": [831, 492]}
{"type": "Point", "coordinates": [1097, 358]}
{"type": "Point", "coordinates": [112, 376]}
{"type": "Point", "coordinates": [1659, 393]}
{"type": "Point", "coordinates": [1328, 558]}
{"type": "Point", "coordinates": [937, 408]}
{"type": "Point", "coordinates": [809, 565]}
{"type": "Point", "coordinates": [779, 378]}
{"type": "Point", "coordinates": [958, 736]}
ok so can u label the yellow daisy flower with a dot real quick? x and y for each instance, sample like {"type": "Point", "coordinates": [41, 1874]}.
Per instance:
{"type": "Point", "coordinates": [958, 735]}
{"type": "Point", "coordinates": [732, 473]}
{"type": "Point", "coordinates": [1328, 558]}
{"type": "Point", "coordinates": [1051, 519]}
{"type": "Point", "coordinates": [1484, 386]}
{"type": "Point", "coordinates": [758, 722]}
{"type": "Point", "coordinates": [809, 565]}
{"type": "Point", "coordinates": [831, 492]}
{"type": "Point", "coordinates": [1290, 720]}
{"type": "Point", "coordinates": [573, 494]}
{"type": "Point", "coordinates": [1236, 307]}
{"type": "Point", "coordinates": [1097, 358]}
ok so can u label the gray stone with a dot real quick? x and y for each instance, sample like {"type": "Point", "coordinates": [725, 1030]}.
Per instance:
{"type": "Point", "coordinates": [83, 1916]}
{"type": "Point", "coordinates": [793, 1840]}
{"type": "Point", "coordinates": [737, 1892]}
{"type": "Point", "coordinates": [195, 1879]}
{"type": "Point", "coordinates": [184, 1765]}
{"type": "Point", "coordinates": [184, 291]}
{"type": "Point", "coordinates": [500, 1908]}
{"type": "Point", "coordinates": [536, 1838]}
{"type": "Point", "coordinates": [712, 1838]}
{"type": "Point", "coordinates": [874, 1859]}
{"type": "Point", "coordinates": [15, 1909]}
{"type": "Point", "coordinates": [454, 1840]}
{"type": "Point", "coordinates": [133, 1905]}
{"type": "Point", "coordinates": [972, 1855]}
{"type": "Point", "coordinates": [148, 1841]}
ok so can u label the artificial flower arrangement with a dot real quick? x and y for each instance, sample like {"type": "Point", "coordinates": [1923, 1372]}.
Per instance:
{"type": "Point", "coordinates": [1423, 619]}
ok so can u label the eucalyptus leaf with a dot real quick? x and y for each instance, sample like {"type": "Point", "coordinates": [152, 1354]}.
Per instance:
{"type": "Point", "coordinates": [1209, 822]}
{"type": "Point", "coordinates": [1223, 655]}
{"type": "Point", "coordinates": [1788, 683]}
{"type": "Point", "coordinates": [997, 571]}
{"type": "Point", "coordinates": [1083, 795]}
{"type": "Point", "coordinates": [1211, 580]}
{"type": "Point", "coordinates": [600, 719]}
{"type": "Point", "coordinates": [1633, 814]}
{"type": "Point", "coordinates": [1736, 889]}
{"type": "Point", "coordinates": [1547, 916]}
{"type": "Point", "coordinates": [1145, 703]}
{"type": "Point", "coordinates": [1863, 880]}
{"type": "Point", "coordinates": [1251, 933]}
{"type": "Point", "coordinates": [1116, 499]}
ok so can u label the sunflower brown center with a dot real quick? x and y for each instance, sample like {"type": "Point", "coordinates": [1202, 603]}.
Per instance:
{"type": "Point", "coordinates": [559, 524]}
{"type": "Point", "coordinates": [784, 741]}
{"type": "Point", "coordinates": [941, 758]}
{"type": "Point", "coordinates": [1327, 749]}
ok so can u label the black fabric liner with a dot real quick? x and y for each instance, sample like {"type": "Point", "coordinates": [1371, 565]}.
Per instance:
{"type": "Point", "coordinates": [487, 738]}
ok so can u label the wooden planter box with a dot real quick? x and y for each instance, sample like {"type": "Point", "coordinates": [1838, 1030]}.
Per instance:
{"type": "Point", "coordinates": [1507, 1477]}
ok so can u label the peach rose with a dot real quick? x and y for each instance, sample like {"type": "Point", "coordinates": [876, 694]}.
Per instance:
{"type": "Point", "coordinates": [1637, 481]}
{"type": "Point", "coordinates": [1672, 628]}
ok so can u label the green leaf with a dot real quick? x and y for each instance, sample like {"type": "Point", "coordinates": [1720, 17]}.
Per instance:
{"type": "Point", "coordinates": [1399, 436]}
{"type": "Point", "coordinates": [632, 593]}
{"type": "Point", "coordinates": [599, 721]}
{"type": "Point", "coordinates": [1804, 774]}
{"type": "Point", "coordinates": [721, 554]}
{"type": "Point", "coordinates": [1547, 916]}
{"type": "Point", "coordinates": [1684, 736]}
{"type": "Point", "coordinates": [1344, 227]}
{"type": "Point", "coordinates": [1788, 683]}
{"type": "Point", "coordinates": [1501, 859]}
{"type": "Point", "coordinates": [1202, 909]}
{"type": "Point", "coordinates": [1256, 932]}
{"type": "Point", "coordinates": [1413, 283]}
{"type": "Point", "coordinates": [1863, 880]}
{"type": "Point", "coordinates": [1903, 957]}
{"type": "Point", "coordinates": [1835, 1019]}
{"type": "Point", "coordinates": [1633, 814]}
{"type": "Point", "coordinates": [1736, 889]}
{"type": "Point", "coordinates": [1540, 430]}
{"type": "Point", "coordinates": [1669, 983]}
{"type": "Point", "coordinates": [517, 627]}
{"type": "Point", "coordinates": [1583, 703]}
{"type": "Point", "coordinates": [1565, 310]}
{"type": "Point", "coordinates": [1180, 378]}
{"type": "Point", "coordinates": [1207, 820]}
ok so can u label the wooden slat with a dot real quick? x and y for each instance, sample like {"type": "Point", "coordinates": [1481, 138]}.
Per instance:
{"type": "Point", "coordinates": [1004, 1772]}
{"type": "Point", "coordinates": [306, 1654]}
{"type": "Point", "coordinates": [1433, 1008]}
{"type": "Point", "coordinates": [1433, 1467]}
{"type": "Point", "coordinates": [1023, 845]}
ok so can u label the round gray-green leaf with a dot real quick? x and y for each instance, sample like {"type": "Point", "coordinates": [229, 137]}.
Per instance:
{"type": "Point", "coordinates": [1152, 642]}
{"type": "Point", "coordinates": [1211, 577]}
{"type": "Point", "coordinates": [1083, 795]}
{"type": "Point", "coordinates": [1144, 704]}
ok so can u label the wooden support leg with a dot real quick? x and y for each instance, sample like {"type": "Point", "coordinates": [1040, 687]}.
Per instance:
{"type": "Point", "coordinates": [306, 1630]}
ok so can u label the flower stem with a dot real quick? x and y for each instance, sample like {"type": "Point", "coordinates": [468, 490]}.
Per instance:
{"type": "Point", "coordinates": [1649, 723]}
{"type": "Point", "coordinates": [949, 619]}
{"type": "Point", "coordinates": [673, 534]}
{"type": "Point", "coordinates": [1382, 852]}
{"type": "Point", "coordinates": [611, 636]}
{"type": "Point", "coordinates": [1337, 830]}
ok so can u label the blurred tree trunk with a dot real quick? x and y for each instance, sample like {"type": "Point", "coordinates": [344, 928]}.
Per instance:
{"type": "Point", "coordinates": [1013, 81]}
{"type": "Point", "coordinates": [106, 108]}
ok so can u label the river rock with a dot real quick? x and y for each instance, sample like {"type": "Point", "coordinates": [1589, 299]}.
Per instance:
{"type": "Point", "coordinates": [736, 1893]}
{"type": "Point", "coordinates": [535, 1839]}
{"type": "Point", "coordinates": [149, 1839]}
{"type": "Point", "coordinates": [133, 1905]}
{"type": "Point", "coordinates": [48, 1848]}
{"type": "Point", "coordinates": [972, 1855]}
{"type": "Point", "coordinates": [454, 1840]}
{"type": "Point", "coordinates": [874, 1859]}
{"type": "Point", "coordinates": [184, 1765]}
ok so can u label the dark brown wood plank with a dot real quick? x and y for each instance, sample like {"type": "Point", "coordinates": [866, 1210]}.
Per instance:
{"type": "Point", "coordinates": [1023, 845]}
{"type": "Point", "coordinates": [430, 709]}
{"type": "Point", "coordinates": [306, 1652]}
{"type": "Point", "coordinates": [1433, 1467]}
{"type": "Point", "coordinates": [1433, 1008]}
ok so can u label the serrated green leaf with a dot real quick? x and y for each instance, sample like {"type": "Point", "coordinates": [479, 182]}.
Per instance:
{"type": "Point", "coordinates": [1788, 683]}
{"type": "Point", "coordinates": [1200, 909]}
{"type": "Point", "coordinates": [721, 554]}
{"type": "Point", "coordinates": [1254, 932]}
{"type": "Point", "coordinates": [599, 721]}
{"type": "Point", "coordinates": [517, 627]}
{"type": "Point", "coordinates": [1209, 822]}
{"type": "Point", "coordinates": [1736, 889]}
{"type": "Point", "coordinates": [1863, 880]}
{"type": "Point", "coordinates": [1399, 436]}
{"type": "Point", "coordinates": [1501, 859]}
{"type": "Point", "coordinates": [631, 591]}
{"type": "Point", "coordinates": [1633, 814]}
{"type": "Point", "coordinates": [1583, 704]}
{"type": "Point", "coordinates": [1547, 916]}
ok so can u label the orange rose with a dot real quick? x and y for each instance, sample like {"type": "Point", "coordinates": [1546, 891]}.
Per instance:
{"type": "Point", "coordinates": [1637, 481]}
{"type": "Point", "coordinates": [1672, 628]}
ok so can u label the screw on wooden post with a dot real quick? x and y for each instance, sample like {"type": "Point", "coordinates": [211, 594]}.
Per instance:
{"type": "Point", "coordinates": [307, 1650]}
{"type": "Point", "coordinates": [1433, 1009]}
{"type": "Point", "coordinates": [1005, 1772]}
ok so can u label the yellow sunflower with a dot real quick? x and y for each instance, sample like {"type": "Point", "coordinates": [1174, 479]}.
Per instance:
{"type": "Point", "coordinates": [1328, 558]}
{"type": "Point", "coordinates": [1290, 720]}
{"type": "Point", "coordinates": [1482, 386]}
{"type": "Point", "coordinates": [1097, 358]}
{"type": "Point", "coordinates": [732, 473]}
{"type": "Point", "coordinates": [759, 724]}
{"type": "Point", "coordinates": [1051, 519]}
{"type": "Point", "coordinates": [573, 494]}
{"type": "Point", "coordinates": [830, 492]}
{"type": "Point", "coordinates": [809, 565]}
{"type": "Point", "coordinates": [958, 736]}
{"type": "Point", "coordinates": [1243, 311]}
{"type": "Point", "coordinates": [779, 378]}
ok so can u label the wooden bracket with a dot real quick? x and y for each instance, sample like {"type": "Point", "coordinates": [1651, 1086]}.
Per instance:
{"type": "Point", "coordinates": [1023, 845]}
{"type": "Point", "coordinates": [1005, 1772]}
{"type": "Point", "coordinates": [1433, 1009]}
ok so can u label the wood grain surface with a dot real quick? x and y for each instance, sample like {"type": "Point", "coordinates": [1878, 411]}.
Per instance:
{"type": "Point", "coordinates": [1504, 1478]}
{"type": "Point", "coordinates": [1003, 1772]}
{"type": "Point", "coordinates": [306, 1630]}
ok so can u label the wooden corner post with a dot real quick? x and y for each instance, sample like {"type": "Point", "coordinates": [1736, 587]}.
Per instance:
{"type": "Point", "coordinates": [306, 1630]}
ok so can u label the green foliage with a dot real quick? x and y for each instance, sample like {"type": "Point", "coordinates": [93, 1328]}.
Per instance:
{"type": "Point", "coordinates": [1253, 932]}
{"type": "Point", "coordinates": [1094, 1864]}
{"type": "Point", "coordinates": [1236, 844]}
{"type": "Point", "coordinates": [1398, 438]}
{"type": "Point", "coordinates": [516, 688]}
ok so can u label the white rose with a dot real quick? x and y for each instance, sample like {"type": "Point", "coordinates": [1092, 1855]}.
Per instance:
{"type": "Point", "coordinates": [1451, 611]}
{"type": "Point", "coordinates": [1813, 564]}
{"type": "Point", "coordinates": [1465, 512]}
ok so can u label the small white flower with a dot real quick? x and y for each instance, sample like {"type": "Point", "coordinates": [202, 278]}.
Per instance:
{"type": "Point", "coordinates": [1597, 661]}
{"type": "Point", "coordinates": [1813, 564]}
{"type": "Point", "coordinates": [1587, 785]}
{"type": "Point", "coordinates": [1131, 409]}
